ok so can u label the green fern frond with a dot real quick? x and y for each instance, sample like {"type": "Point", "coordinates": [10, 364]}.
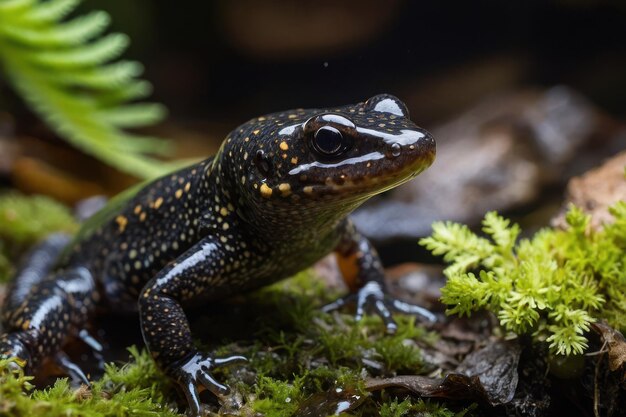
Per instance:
{"type": "Point", "coordinates": [51, 10]}
{"type": "Point", "coordinates": [64, 69]}
{"type": "Point", "coordinates": [74, 32]}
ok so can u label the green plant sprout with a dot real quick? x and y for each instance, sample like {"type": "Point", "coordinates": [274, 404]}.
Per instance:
{"type": "Point", "coordinates": [552, 286]}
{"type": "Point", "coordinates": [64, 70]}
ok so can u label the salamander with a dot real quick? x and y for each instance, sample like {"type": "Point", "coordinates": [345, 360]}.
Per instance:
{"type": "Point", "coordinates": [272, 201]}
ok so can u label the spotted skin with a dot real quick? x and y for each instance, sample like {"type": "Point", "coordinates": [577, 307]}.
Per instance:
{"type": "Point", "coordinates": [274, 200]}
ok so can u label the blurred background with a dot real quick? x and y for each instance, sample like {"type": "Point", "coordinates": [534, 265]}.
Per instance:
{"type": "Point", "coordinates": [521, 96]}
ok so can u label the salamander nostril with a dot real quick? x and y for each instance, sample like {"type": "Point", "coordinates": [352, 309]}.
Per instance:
{"type": "Point", "coordinates": [395, 150]}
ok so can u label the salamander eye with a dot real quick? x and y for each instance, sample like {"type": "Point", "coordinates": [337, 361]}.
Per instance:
{"type": "Point", "coordinates": [328, 141]}
{"type": "Point", "coordinates": [262, 162]}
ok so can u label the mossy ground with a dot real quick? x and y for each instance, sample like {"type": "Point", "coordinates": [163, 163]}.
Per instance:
{"type": "Point", "coordinates": [300, 359]}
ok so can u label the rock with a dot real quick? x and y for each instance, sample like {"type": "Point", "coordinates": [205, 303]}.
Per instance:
{"type": "Point", "coordinates": [595, 191]}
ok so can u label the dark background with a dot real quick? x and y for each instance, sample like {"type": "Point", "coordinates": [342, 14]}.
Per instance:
{"type": "Point", "coordinates": [216, 61]}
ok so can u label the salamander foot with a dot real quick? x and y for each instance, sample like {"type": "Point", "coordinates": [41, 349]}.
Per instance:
{"type": "Point", "coordinates": [372, 297]}
{"type": "Point", "coordinates": [195, 371]}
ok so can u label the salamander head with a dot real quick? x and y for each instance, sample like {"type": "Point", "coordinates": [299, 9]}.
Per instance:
{"type": "Point", "coordinates": [332, 157]}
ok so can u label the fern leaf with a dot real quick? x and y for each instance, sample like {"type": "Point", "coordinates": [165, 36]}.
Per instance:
{"type": "Point", "coordinates": [135, 90]}
{"type": "Point", "coordinates": [52, 10]}
{"type": "Point", "coordinates": [12, 6]}
{"type": "Point", "coordinates": [145, 144]}
{"type": "Point", "coordinates": [65, 70]}
{"type": "Point", "coordinates": [112, 76]}
{"type": "Point", "coordinates": [96, 53]}
{"type": "Point", "coordinates": [74, 32]}
{"type": "Point", "coordinates": [134, 115]}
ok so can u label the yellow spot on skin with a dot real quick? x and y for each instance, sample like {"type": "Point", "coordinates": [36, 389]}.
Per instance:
{"type": "Point", "coordinates": [225, 226]}
{"type": "Point", "coordinates": [223, 211]}
{"type": "Point", "coordinates": [247, 139]}
{"type": "Point", "coordinates": [158, 202]}
{"type": "Point", "coordinates": [285, 189]}
{"type": "Point", "coordinates": [138, 209]}
{"type": "Point", "coordinates": [266, 191]}
{"type": "Point", "coordinates": [223, 239]}
{"type": "Point", "coordinates": [292, 116]}
{"type": "Point", "coordinates": [178, 193]}
{"type": "Point", "coordinates": [284, 156]}
{"type": "Point", "coordinates": [284, 146]}
{"type": "Point", "coordinates": [142, 216]}
{"type": "Point", "coordinates": [26, 324]}
{"type": "Point", "coordinates": [308, 189]}
{"type": "Point", "coordinates": [256, 132]}
{"type": "Point", "coordinates": [260, 119]}
{"type": "Point", "coordinates": [121, 221]}
{"type": "Point", "coordinates": [187, 186]}
{"type": "Point", "coordinates": [294, 160]}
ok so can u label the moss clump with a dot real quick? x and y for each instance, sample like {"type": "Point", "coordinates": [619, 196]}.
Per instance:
{"type": "Point", "coordinates": [551, 286]}
{"type": "Point", "coordinates": [26, 219]}
{"type": "Point", "coordinates": [127, 391]}
{"type": "Point", "coordinates": [420, 407]}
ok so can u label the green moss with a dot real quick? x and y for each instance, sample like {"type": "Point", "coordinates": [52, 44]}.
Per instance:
{"type": "Point", "coordinates": [26, 219]}
{"type": "Point", "coordinates": [275, 398]}
{"type": "Point", "coordinates": [421, 408]}
{"type": "Point", "coordinates": [23, 221]}
{"type": "Point", "coordinates": [105, 398]}
{"type": "Point", "coordinates": [552, 285]}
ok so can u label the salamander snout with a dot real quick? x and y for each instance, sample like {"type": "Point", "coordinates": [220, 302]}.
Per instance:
{"type": "Point", "coordinates": [410, 147]}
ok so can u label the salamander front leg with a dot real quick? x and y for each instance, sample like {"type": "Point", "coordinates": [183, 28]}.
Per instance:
{"type": "Point", "coordinates": [77, 376]}
{"type": "Point", "coordinates": [165, 327]}
{"type": "Point", "coordinates": [363, 273]}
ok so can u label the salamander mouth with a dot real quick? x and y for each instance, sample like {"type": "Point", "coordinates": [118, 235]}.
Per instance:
{"type": "Point", "coordinates": [361, 177]}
